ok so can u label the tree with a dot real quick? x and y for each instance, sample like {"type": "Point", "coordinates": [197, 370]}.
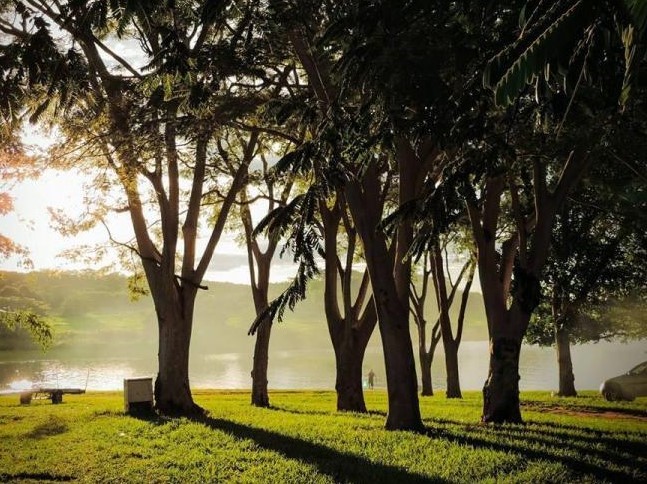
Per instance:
{"type": "Point", "coordinates": [435, 265]}
{"type": "Point", "coordinates": [507, 322]}
{"type": "Point", "coordinates": [275, 192]}
{"type": "Point", "coordinates": [156, 126]}
{"type": "Point", "coordinates": [511, 278]}
{"type": "Point", "coordinates": [512, 206]}
{"type": "Point", "coordinates": [35, 324]}
{"type": "Point", "coordinates": [7, 246]}
{"type": "Point", "coordinates": [382, 75]}
{"type": "Point", "coordinates": [363, 191]}
{"type": "Point", "coordinates": [352, 322]}
{"type": "Point", "coordinates": [444, 301]}
{"type": "Point", "coordinates": [268, 181]}
{"type": "Point", "coordinates": [426, 346]}
{"type": "Point", "coordinates": [556, 32]}
{"type": "Point", "coordinates": [304, 221]}
{"type": "Point", "coordinates": [515, 167]}
{"type": "Point", "coordinates": [597, 260]}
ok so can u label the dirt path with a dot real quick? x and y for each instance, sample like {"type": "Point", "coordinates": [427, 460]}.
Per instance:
{"type": "Point", "coordinates": [627, 414]}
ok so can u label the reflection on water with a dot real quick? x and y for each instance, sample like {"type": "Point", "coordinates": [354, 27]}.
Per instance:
{"type": "Point", "coordinates": [314, 369]}
{"type": "Point", "coordinates": [93, 374]}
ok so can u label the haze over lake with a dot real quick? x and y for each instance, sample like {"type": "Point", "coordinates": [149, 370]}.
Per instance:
{"type": "Point", "coordinates": [102, 337]}
{"type": "Point", "coordinates": [311, 369]}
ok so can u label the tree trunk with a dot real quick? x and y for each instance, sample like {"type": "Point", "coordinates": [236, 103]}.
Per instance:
{"type": "Point", "coordinates": [172, 391]}
{"type": "Point", "coordinates": [566, 376]}
{"type": "Point", "coordinates": [404, 410]}
{"type": "Point", "coordinates": [451, 366]}
{"type": "Point", "coordinates": [501, 390]}
{"type": "Point", "coordinates": [401, 380]}
{"type": "Point", "coordinates": [507, 328]}
{"type": "Point", "coordinates": [349, 342]}
{"type": "Point", "coordinates": [392, 313]}
{"type": "Point", "coordinates": [350, 394]}
{"type": "Point", "coordinates": [393, 320]}
{"type": "Point", "coordinates": [519, 259]}
{"type": "Point", "coordinates": [260, 396]}
{"type": "Point", "coordinates": [260, 280]}
{"type": "Point", "coordinates": [425, 372]}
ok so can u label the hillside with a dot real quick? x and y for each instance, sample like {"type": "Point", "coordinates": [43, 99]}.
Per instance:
{"type": "Point", "coordinates": [94, 313]}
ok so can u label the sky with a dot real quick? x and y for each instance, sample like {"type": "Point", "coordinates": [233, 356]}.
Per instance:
{"type": "Point", "coordinates": [30, 225]}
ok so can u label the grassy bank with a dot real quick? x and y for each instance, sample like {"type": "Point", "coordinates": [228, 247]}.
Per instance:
{"type": "Point", "coordinates": [301, 439]}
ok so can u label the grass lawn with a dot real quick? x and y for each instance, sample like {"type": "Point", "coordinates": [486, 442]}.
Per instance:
{"type": "Point", "coordinates": [302, 439]}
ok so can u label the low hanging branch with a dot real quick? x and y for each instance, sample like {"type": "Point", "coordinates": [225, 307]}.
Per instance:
{"type": "Point", "coordinates": [38, 327]}
{"type": "Point", "coordinates": [304, 241]}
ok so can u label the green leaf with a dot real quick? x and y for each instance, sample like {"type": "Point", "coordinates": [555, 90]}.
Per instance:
{"type": "Point", "coordinates": [39, 328]}
{"type": "Point", "coordinates": [638, 12]}
{"type": "Point", "coordinates": [510, 71]}
{"type": "Point", "coordinates": [633, 39]}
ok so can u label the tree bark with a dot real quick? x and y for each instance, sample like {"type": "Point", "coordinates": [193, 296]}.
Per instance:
{"type": "Point", "coordinates": [402, 385]}
{"type": "Point", "coordinates": [349, 358]}
{"type": "Point", "coordinates": [172, 390]}
{"type": "Point", "coordinates": [425, 372]}
{"type": "Point", "coordinates": [425, 356]}
{"type": "Point", "coordinates": [260, 288]}
{"type": "Point", "coordinates": [565, 364]}
{"type": "Point", "coordinates": [451, 366]}
{"type": "Point", "coordinates": [501, 390]}
{"type": "Point", "coordinates": [392, 313]}
{"type": "Point", "coordinates": [350, 332]}
{"type": "Point", "coordinates": [349, 343]}
{"type": "Point", "coordinates": [260, 396]}
{"type": "Point", "coordinates": [259, 264]}
{"type": "Point", "coordinates": [450, 343]}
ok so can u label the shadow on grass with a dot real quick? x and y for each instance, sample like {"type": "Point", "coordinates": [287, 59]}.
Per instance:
{"type": "Point", "coordinates": [279, 408]}
{"type": "Point", "coordinates": [35, 476]}
{"type": "Point", "coordinates": [331, 413]}
{"type": "Point", "coordinates": [589, 437]}
{"type": "Point", "coordinates": [592, 453]}
{"type": "Point", "coordinates": [150, 416]}
{"type": "Point", "coordinates": [339, 466]}
{"type": "Point", "coordinates": [553, 444]}
{"type": "Point", "coordinates": [617, 451]}
{"type": "Point", "coordinates": [52, 426]}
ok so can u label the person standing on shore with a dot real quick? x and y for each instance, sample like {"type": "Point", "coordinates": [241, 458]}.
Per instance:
{"type": "Point", "coordinates": [371, 379]}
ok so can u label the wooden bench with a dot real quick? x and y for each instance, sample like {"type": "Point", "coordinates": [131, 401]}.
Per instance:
{"type": "Point", "coordinates": [53, 394]}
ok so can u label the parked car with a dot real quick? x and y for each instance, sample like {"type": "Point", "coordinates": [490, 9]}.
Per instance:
{"type": "Point", "coordinates": [628, 386]}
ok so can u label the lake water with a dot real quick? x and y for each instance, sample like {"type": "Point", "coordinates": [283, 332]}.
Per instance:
{"type": "Point", "coordinates": [312, 369]}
